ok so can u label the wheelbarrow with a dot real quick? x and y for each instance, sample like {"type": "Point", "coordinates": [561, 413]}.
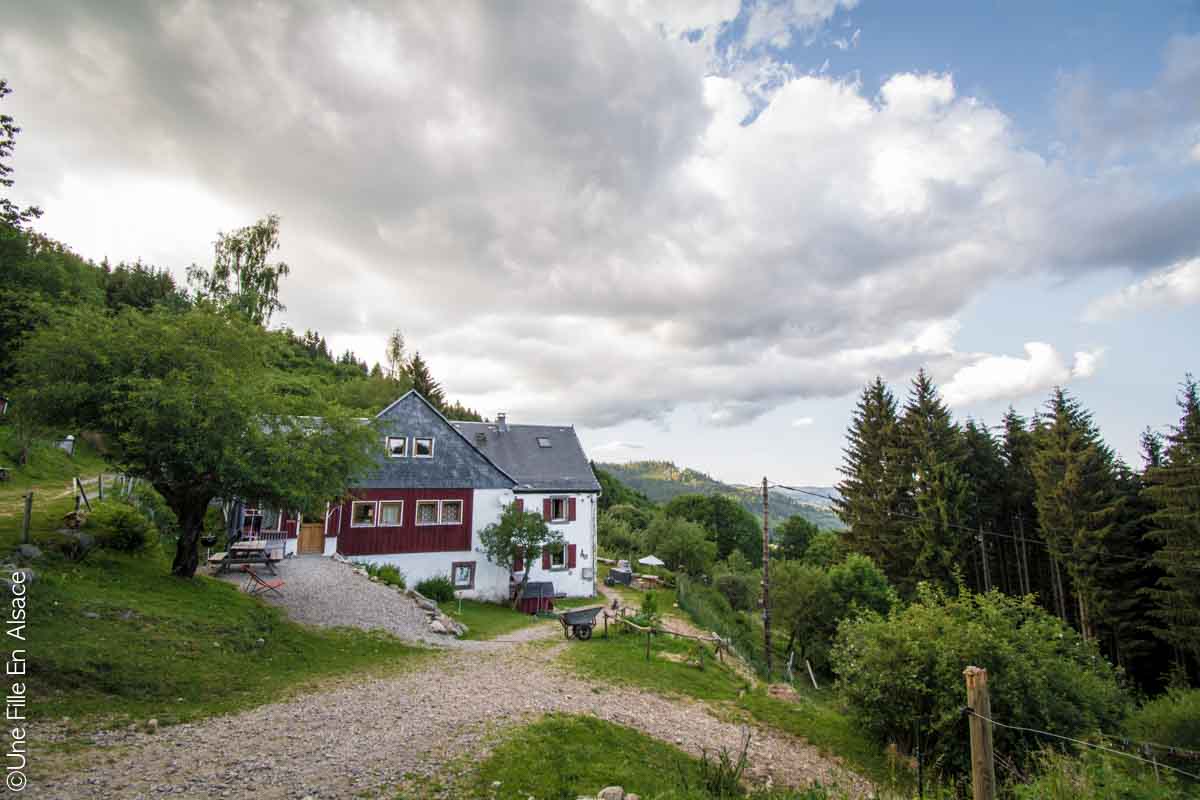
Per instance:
{"type": "Point", "coordinates": [578, 622]}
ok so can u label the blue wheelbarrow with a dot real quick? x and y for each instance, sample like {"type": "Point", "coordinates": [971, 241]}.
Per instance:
{"type": "Point", "coordinates": [578, 622]}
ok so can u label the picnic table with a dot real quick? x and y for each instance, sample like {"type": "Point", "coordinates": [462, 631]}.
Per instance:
{"type": "Point", "coordinates": [246, 553]}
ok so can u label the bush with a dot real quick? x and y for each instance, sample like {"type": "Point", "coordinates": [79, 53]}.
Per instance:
{"type": "Point", "coordinates": [739, 590]}
{"type": "Point", "coordinates": [121, 527]}
{"type": "Point", "coordinates": [1172, 720]}
{"type": "Point", "coordinates": [893, 671]}
{"type": "Point", "coordinates": [1096, 775]}
{"type": "Point", "coordinates": [439, 589]}
{"type": "Point", "coordinates": [389, 574]}
{"type": "Point", "coordinates": [617, 537]}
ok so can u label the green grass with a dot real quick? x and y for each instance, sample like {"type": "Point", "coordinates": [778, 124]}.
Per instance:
{"type": "Point", "coordinates": [117, 639]}
{"type": "Point", "coordinates": [488, 620]}
{"type": "Point", "coordinates": [620, 660]}
{"type": "Point", "coordinates": [564, 756]}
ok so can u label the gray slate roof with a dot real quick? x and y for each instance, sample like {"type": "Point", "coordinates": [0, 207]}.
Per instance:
{"type": "Point", "coordinates": [561, 467]}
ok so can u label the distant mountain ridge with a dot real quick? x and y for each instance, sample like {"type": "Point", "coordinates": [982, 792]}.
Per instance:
{"type": "Point", "coordinates": [663, 480]}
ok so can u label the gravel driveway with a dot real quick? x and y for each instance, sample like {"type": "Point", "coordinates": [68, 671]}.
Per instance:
{"type": "Point", "coordinates": [367, 737]}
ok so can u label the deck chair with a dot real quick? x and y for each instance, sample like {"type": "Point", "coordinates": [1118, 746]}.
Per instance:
{"type": "Point", "coordinates": [256, 585]}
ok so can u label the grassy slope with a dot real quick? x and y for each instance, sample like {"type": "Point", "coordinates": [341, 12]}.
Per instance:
{"type": "Point", "coordinates": [488, 620]}
{"type": "Point", "coordinates": [661, 481]}
{"type": "Point", "coordinates": [816, 716]}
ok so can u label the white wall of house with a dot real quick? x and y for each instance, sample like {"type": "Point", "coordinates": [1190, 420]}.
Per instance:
{"type": "Point", "coordinates": [491, 582]}
{"type": "Point", "coordinates": [581, 580]}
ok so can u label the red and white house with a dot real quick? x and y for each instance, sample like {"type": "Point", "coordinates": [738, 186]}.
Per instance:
{"type": "Point", "coordinates": [437, 484]}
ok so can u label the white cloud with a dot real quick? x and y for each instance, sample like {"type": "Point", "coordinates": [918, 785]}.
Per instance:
{"type": "Point", "coordinates": [614, 446]}
{"type": "Point", "coordinates": [802, 422]}
{"type": "Point", "coordinates": [567, 210]}
{"type": "Point", "coordinates": [1175, 286]}
{"type": "Point", "coordinates": [1196, 152]}
{"type": "Point", "coordinates": [992, 377]}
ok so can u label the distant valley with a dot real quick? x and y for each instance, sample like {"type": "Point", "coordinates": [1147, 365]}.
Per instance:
{"type": "Point", "coordinates": [663, 480]}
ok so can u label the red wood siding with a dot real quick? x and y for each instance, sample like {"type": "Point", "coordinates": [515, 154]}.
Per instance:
{"type": "Point", "coordinates": [407, 537]}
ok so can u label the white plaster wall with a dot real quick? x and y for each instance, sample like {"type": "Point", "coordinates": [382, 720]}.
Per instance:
{"type": "Point", "coordinates": [491, 582]}
{"type": "Point", "coordinates": [582, 534]}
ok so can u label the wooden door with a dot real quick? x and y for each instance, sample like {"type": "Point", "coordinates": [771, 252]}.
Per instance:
{"type": "Point", "coordinates": [311, 539]}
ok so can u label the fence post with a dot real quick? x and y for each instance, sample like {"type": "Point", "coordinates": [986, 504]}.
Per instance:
{"type": "Point", "coordinates": [100, 488]}
{"type": "Point", "coordinates": [983, 767]}
{"type": "Point", "coordinates": [647, 645]}
{"type": "Point", "coordinates": [28, 515]}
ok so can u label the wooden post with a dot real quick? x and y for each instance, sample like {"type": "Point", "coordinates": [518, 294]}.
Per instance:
{"type": "Point", "coordinates": [766, 581]}
{"type": "Point", "coordinates": [983, 767]}
{"type": "Point", "coordinates": [28, 516]}
{"type": "Point", "coordinates": [647, 645]}
{"type": "Point", "coordinates": [811, 676]}
{"type": "Point", "coordinates": [100, 488]}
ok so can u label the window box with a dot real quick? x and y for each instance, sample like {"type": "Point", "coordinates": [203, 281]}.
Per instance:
{"type": "Point", "coordinates": [362, 515]}
{"type": "Point", "coordinates": [397, 446]}
{"type": "Point", "coordinates": [391, 513]}
{"type": "Point", "coordinates": [422, 447]}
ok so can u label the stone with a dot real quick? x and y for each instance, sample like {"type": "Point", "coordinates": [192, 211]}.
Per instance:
{"type": "Point", "coordinates": [91, 615]}
{"type": "Point", "coordinates": [152, 725]}
{"type": "Point", "coordinates": [632, 796]}
{"type": "Point", "coordinates": [611, 793]}
{"type": "Point", "coordinates": [437, 627]}
{"type": "Point", "coordinates": [29, 552]}
{"type": "Point", "coordinates": [259, 642]}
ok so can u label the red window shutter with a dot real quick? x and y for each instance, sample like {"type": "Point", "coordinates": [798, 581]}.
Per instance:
{"type": "Point", "coordinates": [520, 501]}
{"type": "Point", "coordinates": [546, 509]}
{"type": "Point", "coordinates": [519, 563]}
{"type": "Point", "coordinates": [571, 552]}
{"type": "Point", "coordinates": [571, 509]}
{"type": "Point", "coordinates": [545, 558]}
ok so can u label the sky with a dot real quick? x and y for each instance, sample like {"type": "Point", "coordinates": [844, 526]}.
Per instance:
{"type": "Point", "coordinates": [694, 230]}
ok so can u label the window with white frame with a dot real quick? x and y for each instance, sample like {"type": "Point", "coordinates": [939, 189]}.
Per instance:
{"type": "Point", "coordinates": [452, 512]}
{"type": "Point", "coordinates": [391, 513]}
{"type": "Point", "coordinates": [422, 447]}
{"type": "Point", "coordinates": [463, 574]}
{"type": "Point", "coordinates": [558, 509]}
{"type": "Point", "coordinates": [427, 512]}
{"type": "Point", "coordinates": [362, 515]}
{"type": "Point", "coordinates": [558, 555]}
{"type": "Point", "coordinates": [397, 446]}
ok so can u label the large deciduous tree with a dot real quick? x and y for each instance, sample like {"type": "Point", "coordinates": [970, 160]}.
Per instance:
{"type": "Point", "coordinates": [519, 536]}
{"type": "Point", "coordinates": [241, 279]}
{"type": "Point", "coordinates": [187, 402]}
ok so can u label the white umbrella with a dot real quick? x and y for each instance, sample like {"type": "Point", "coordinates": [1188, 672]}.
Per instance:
{"type": "Point", "coordinates": [652, 561]}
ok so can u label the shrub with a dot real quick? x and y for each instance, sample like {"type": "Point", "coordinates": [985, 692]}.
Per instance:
{"type": "Point", "coordinates": [739, 590]}
{"type": "Point", "coordinates": [439, 589]}
{"type": "Point", "coordinates": [1095, 775]}
{"type": "Point", "coordinates": [908, 666]}
{"type": "Point", "coordinates": [1172, 720]}
{"type": "Point", "coordinates": [121, 527]}
{"type": "Point", "coordinates": [389, 574]}
{"type": "Point", "coordinates": [617, 537]}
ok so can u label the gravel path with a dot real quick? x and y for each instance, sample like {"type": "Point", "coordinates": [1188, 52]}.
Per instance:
{"type": "Point", "coordinates": [323, 591]}
{"type": "Point", "coordinates": [369, 736]}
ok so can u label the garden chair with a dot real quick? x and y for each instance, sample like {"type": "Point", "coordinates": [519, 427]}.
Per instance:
{"type": "Point", "coordinates": [256, 585]}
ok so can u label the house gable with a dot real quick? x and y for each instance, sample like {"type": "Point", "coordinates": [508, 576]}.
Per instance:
{"type": "Point", "coordinates": [455, 463]}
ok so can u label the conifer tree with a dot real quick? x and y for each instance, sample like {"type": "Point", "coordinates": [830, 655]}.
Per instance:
{"type": "Point", "coordinates": [1018, 512]}
{"type": "Point", "coordinates": [1073, 470]}
{"type": "Point", "coordinates": [1174, 489]}
{"type": "Point", "coordinates": [872, 496]}
{"type": "Point", "coordinates": [933, 456]}
{"type": "Point", "coordinates": [984, 471]}
{"type": "Point", "coordinates": [424, 383]}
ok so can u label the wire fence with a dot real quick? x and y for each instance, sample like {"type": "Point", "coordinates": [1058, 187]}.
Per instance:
{"type": "Point", "coordinates": [708, 613]}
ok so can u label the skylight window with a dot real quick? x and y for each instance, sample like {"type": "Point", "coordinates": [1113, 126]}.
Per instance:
{"type": "Point", "coordinates": [543, 441]}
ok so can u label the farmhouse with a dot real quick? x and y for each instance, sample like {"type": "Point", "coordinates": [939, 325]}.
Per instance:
{"type": "Point", "coordinates": [436, 484]}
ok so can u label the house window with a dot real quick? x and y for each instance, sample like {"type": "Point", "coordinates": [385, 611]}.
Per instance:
{"type": "Point", "coordinates": [558, 509]}
{"type": "Point", "coordinates": [422, 448]}
{"type": "Point", "coordinates": [462, 573]}
{"type": "Point", "coordinates": [427, 512]}
{"type": "Point", "coordinates": [543, 441]}
{"type": "Point", "coordinates": [452, 512]}
{"type": "Point", "coordinates": [362, 515]}
{"type": "Point", "coordinates": [391, 512]}
{"type": "Point", "coordinates": [397, 446]}
{"type": "Point", "coordinates": [558, 556]}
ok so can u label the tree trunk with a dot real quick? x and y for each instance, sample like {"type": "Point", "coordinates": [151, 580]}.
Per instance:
{"type": "Point", "coordinates": [521, 588]}
{"type": "Point", "coordinates": [189, 510]}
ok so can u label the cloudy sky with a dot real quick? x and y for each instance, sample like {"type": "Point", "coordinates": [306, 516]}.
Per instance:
{"type": "Point", "coordinates": [692, 229]}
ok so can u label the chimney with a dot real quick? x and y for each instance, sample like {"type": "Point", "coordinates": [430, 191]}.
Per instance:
{"type": "Point", "coordinates": [502, 422]}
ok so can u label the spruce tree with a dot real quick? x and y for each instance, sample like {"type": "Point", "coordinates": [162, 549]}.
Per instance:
{"type": "Point", "coordinates": [872, 492]}
{"type": "Point", "coordinates": [1174, 489]}
{"type": "Point", "coordinates": [424, 383]}
{"type": "Point", "coordinates": [983, 469]}
{"type": "Point", "coordinates": [1074, 475]}
{"type": "Point", "coordinates": [933, 455]}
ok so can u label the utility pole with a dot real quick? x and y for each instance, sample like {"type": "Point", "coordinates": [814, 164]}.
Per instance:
{"type": "Point", "coordinates": [766, 581]}
{"type": "Point", "coordinates": [983, 767]}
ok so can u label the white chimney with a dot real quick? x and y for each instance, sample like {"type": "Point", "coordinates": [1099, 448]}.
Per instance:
{"type": "Point", "coordinates": [502, 422]}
